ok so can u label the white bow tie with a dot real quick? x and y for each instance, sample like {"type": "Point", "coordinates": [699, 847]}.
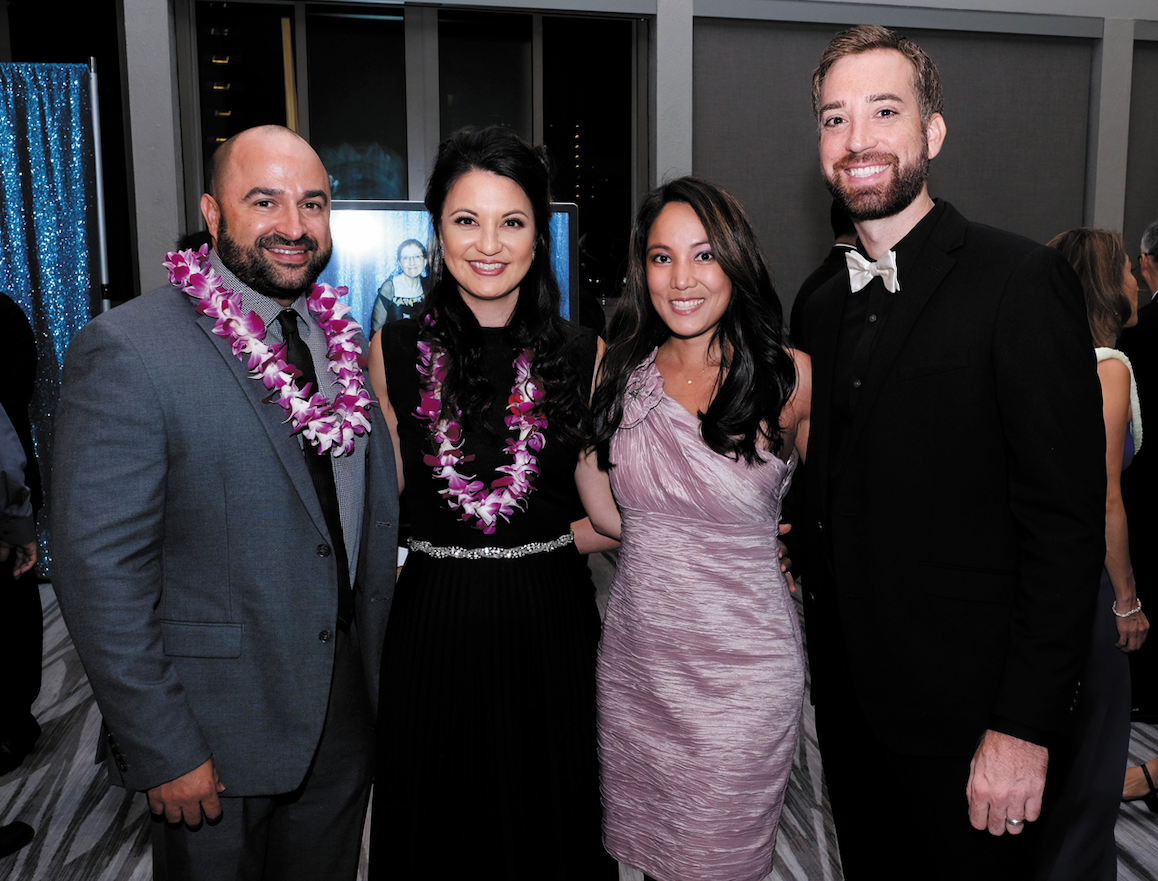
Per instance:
{"type": "Point", "coordinates": [862, 270]}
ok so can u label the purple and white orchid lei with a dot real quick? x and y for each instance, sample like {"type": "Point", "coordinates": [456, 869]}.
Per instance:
{"type": "Point", "coordinates": [466, 493]}
{"type": "Point", "coordinates": [331, 426]}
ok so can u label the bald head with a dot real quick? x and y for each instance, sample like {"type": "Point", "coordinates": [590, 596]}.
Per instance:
{"type": "Point", "coordinates": [268, 210]}
{"type": "Point", "coordinates": [267, 135]}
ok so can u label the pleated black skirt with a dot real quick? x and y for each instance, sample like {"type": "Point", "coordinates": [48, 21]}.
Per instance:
{"type": "Point", "coordinates": [486, 735]}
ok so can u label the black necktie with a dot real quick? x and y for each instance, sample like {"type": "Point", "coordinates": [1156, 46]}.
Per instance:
{"type": "Point", "coordinates": [320, 467]}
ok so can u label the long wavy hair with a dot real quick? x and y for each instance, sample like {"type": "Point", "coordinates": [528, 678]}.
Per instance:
{"type": "Point", "coordinates": [1098, 255]}
{"type": "Point", "coordinates": [535, 323]}
{"type": "Point", "coordinates": [756, 375]}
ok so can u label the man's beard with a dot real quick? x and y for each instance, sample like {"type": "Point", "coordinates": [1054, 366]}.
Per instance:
{"type": "Point", "coordinates": [888, 198]}
{"type": "Point", "coordinates": [252, 266]}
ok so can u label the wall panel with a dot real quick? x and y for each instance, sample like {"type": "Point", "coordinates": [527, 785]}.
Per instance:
{"type": "Point", "coordinates": [1142, 159]}
{"type": "Point", "coordinates": [1016, 111]}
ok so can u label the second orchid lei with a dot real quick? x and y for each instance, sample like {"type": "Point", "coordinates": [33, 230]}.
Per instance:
{"type": "Point", "coordinates": [331, 426]}
{"type": "Point", "coordinates": [464, 492]}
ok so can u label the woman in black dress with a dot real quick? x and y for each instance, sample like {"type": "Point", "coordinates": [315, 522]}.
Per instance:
{"type": "Point", "coordinates": [486, 736]}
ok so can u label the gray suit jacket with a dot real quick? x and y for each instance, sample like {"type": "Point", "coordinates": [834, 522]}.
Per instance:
{"type": "Point", "coordinates": [191, 557]}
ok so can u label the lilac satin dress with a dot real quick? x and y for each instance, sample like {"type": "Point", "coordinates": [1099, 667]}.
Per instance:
{"type": "Point", "coordinates": [701, 670]}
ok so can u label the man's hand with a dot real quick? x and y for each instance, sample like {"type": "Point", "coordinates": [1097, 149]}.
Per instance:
{"type": "Point", "coordinates": [785, 562]}
{"type": "Point", "coordinates": [25, 557]}
{"type": "Point", "coordinates": [187, 796]}
{"type": "Point", "coordinates": [1006, 780]}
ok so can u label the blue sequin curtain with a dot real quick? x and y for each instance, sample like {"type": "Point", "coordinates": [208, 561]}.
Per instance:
{"type": "Point", "coordinates": [47, 207]}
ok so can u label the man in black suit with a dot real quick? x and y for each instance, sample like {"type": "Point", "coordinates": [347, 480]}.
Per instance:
{"type": "Point", "coordinates": [957, 481]}
{"type": "Point", "coordinates": [1139, 481]}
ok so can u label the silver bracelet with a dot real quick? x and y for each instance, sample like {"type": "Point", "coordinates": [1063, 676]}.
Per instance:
{"type": "Point", "coordinates": [1134, 611]}
{"type": "Point", "coordinates": [535, 547]}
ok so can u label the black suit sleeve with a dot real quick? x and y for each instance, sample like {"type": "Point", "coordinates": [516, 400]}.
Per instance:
{"type": "Point", "coordinates": [1050, 410]}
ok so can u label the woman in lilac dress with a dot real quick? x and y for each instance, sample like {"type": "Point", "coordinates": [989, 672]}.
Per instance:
{"type": "Point", "coordinates": [701, 411]}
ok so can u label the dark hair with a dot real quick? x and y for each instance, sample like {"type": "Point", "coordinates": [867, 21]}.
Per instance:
{"type": "Point", "coordinates": [535, 323]}
{"type": "Point", "coordinates": [865, 37]}
{"type": "Point", "coordinates": [421, 247]}
{"type": "Point", "coordinates": [756, 375]}
{"type": "Point", "coordinates": [1098, 255]}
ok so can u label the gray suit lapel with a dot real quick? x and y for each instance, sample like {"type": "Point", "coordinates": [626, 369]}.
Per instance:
{"type": "Point", "coordinates": [272, 417]}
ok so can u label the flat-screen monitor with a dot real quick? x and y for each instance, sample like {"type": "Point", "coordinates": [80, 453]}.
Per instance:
{"type": "Point", "coordinates": [367, 236]}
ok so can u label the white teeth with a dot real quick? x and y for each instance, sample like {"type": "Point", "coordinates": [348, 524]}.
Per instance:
{"type": "Point", "coordinates": [684, 305]}
{"type": "Point", "coordinates": [486, 267]}
{"type": "Point", "coordinates": [866, 172]}
{"type": "Point", "coordinates": [285, 251]}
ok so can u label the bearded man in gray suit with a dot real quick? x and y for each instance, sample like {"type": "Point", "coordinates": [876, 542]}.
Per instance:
{"type": "Point", "coordinates": [224, 557]}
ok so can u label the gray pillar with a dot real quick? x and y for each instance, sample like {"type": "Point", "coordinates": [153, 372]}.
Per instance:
{"type": "Point", "coordinates": [154, 128]}
{"type": "Point", "coordinates": [423, 129]}
{"type": "Point", "coordinates": [673, 88]}
{"type": "Point", "coordinates": [1109, 125]}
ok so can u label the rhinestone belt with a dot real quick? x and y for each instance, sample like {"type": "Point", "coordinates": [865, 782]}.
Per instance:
{"type": "Point", "coordinates": [535, 547]}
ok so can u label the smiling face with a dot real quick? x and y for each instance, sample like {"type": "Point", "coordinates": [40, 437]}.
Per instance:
{"type": "Point", "coordinates": [689, 289]}
{"type": "Point", "coordinates": [412, 261]}
{"type": "Point", "coordinates": [874, 149]}
{"type": "Point", "coordinates": [488, 240]}
{"type": "Point", "coordinates": [270, 216]}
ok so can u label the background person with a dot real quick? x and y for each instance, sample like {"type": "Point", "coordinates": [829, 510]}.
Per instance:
{"type": "Point", "coordinates": [21, 625]}
{"type": "Point", "coordinates": [1139, 490]}
{"type": "Point", "coordinates": [18, 544]}
{"type": "Point", "coordinates": [1078, 836]}
{"type": "Point", "coordinates": [401, 296]}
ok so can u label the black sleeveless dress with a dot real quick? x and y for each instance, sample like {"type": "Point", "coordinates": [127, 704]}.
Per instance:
{"type": "Point", "coordinates": [486, 736]}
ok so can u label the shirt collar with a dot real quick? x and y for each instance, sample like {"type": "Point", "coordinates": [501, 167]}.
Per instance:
{"type": "Point", "coordinates": [914, 241]}
{"type": "Point", "coordinates": [267, 308]}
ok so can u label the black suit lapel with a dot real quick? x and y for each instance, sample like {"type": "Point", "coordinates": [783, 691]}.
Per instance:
{"type": "Point", "coordinates": [823, 318]}
{"type": "Point", "coordinates": [918, 285]}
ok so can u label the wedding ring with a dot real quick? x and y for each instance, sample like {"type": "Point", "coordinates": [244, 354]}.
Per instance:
{"type": "Point", "coordinates": [1010, 822]}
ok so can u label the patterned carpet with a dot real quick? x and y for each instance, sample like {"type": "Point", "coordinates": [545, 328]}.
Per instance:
{"type": "Point", "coordinates": [88, 831]}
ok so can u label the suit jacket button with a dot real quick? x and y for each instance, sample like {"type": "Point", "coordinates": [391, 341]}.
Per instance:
{"type": "Point", "coordinates": [325, 636]}
{"type": "Point", "coordinates": [323, 550]}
